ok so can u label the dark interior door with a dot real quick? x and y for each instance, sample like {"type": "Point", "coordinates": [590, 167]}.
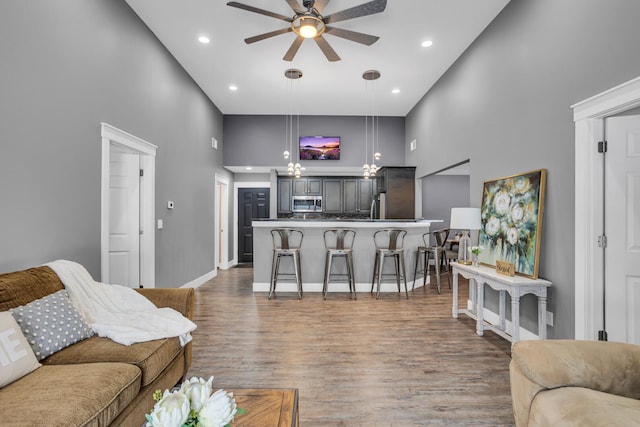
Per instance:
{"type": "Point", "coordinates": [252, 203]}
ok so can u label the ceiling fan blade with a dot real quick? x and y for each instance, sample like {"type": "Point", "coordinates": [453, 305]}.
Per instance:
{"type": "Point", "coordinates": [352, 35]}
{"type": "Point", "coordinates": [293, 49]}
{"type": "Point", "coordinates": [259, 37]}
{"type": "Point", "coordinates": [319, 5]}
{"type": "Point", "coordinates": [328, 51]}
{"type": "Point", "coordinates": [297, 7]}
{"type": "Point", "coordinates": [370, 8]}
{"type": "Point", "coordinates": [260, 11]}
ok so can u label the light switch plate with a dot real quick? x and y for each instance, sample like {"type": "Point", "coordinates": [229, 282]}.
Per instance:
{"type": "Point", "coordinates": [214, 143]}
{"type": "Point", "coordinates": [413, 145]}
{"type": "Point", "coordinates": [160, 224]}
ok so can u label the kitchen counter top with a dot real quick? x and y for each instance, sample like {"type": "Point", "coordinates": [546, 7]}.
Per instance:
{"type": "Point", "coordinates": [347, 222]}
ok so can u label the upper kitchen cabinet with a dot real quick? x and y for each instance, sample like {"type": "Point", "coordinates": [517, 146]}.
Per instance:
{"type": "Point", "coordinates": [307, 186]}
{"type": "Point", "coordinates": [358, 194]}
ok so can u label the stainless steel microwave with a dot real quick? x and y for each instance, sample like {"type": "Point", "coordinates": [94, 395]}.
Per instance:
{"type": "Point", "coordinates": [306, 203]}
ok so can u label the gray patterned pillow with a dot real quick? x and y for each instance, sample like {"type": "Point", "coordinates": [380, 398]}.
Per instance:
{"type": "Point", "coordinates": [51, 324]}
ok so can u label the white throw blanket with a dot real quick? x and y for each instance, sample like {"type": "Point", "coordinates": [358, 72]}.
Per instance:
{"type": "Point", "coordinates": [118, 312]}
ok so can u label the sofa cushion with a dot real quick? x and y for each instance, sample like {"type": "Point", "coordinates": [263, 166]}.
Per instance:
{"type": "Point", "coordinates": [22, 287]}
{"type": "Point", "coordinates": [151, 356]}
{"type": "Point", "coordinates": [51, 323]}
{"type": "Point", "coordinates": [577, 406]}
{"type": "Point", "coordinates": [70, 395]}
{"type": "Point", "coordinates": [16, 357]}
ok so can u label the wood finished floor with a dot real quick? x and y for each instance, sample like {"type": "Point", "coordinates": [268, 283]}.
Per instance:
{"type": "Point", "coordinates": [390, 362]}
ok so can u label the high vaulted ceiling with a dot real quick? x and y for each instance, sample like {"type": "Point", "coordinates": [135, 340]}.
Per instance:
{"type": "Point", "coordinates": [326, 88]}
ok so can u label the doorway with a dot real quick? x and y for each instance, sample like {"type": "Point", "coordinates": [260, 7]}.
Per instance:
{"type": "Point", "coordinates": [253, 203]}
{"type": "Point", "coordinates": [221, 222]}
{"type": "Point", "coordinates": [127, 218]}
{"type": "Point", "coordinates": [589, 117]}
{"type": "Point", "coordinates": [622, 228]}
{"type": "Point", "coordinates": [124, 218]}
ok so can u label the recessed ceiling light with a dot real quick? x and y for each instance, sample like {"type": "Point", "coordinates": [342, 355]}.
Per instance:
{"type": "Point", "coordinates": [203, 39]}
{"type": "Point", "coordinates": [427, 43]}
{"type": "Point", "coordinates": [395, 91]}
{"type": "Point", "coordinates": [233, 87]}
{"type": "Point", "coordinates": [248, 168]}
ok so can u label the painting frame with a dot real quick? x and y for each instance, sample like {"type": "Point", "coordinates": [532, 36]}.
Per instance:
{"type": "Point", "coordinates": [511, 221]}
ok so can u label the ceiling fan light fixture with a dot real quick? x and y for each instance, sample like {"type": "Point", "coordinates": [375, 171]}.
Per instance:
{"type": "Point", "coordinates": [308, 26]}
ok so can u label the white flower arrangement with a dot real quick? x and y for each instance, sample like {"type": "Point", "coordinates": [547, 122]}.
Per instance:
{"type": "Point", "coordinates": [193, 405]}
{"type": "Point", "coordinates": [476, 250]}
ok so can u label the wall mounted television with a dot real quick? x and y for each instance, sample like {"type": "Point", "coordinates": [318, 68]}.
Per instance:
{"type": "Point", "coordinates": [319, 148]}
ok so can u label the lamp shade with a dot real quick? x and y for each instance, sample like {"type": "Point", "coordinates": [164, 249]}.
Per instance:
{"type": "Point", "coordinates": [465, 218]}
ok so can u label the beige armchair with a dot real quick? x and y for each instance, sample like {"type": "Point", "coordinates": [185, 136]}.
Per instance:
{"type": "Point", "coordinates": [575, 383]}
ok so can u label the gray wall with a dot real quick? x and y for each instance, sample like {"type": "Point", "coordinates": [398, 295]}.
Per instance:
{"type": "Point", "coordinates": [505, 105]}
{"type": "Point", "coordinates": [66, 67]}
{"type": "Point", "coordinates": [440, 193]}
{"type": "Point", "coordinates": [260, 140]}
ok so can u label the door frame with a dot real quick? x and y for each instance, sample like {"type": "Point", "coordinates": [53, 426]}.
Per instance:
{"type": "Point", "coordinates": [221, 216]}
{"type": "Point", "coordinates": [589, 116]}
{"type": "Point", "coordinates": [114, 138]}
{"type": "Point", "coordinates": [236, 186]}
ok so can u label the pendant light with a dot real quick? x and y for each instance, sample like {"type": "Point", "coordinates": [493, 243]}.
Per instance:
{"type": "Point", "coordinates": [368, 171]}
{"type": "Point", "coordinates": [291, 74]}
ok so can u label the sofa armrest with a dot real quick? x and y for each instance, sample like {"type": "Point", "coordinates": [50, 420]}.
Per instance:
{"type": "Point", "coordinates": [604, 366]}
{"type": "Point", "coordinates": [180, 299]}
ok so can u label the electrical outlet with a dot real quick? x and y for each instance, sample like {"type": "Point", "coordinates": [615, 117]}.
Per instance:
{"type": "Point", "coordinates": [549, 318]}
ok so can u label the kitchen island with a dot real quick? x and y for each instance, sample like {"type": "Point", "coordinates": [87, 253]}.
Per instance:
{"type": "Point", "coordinates": [312, 253]}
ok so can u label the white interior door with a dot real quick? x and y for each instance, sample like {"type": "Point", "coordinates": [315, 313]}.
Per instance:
{"type": "Point", "coordinates": [622, 228]}
{"type": "Point", "coordinates": [124, 219]}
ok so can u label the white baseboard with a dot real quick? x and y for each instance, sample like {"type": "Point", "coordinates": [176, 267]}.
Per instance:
{"type": "Point", "coordinates": [494, 319]}
{"type": "Point", "coordinates": [227, 265]}
{"type": "Point", "coordinates": [196, 283]}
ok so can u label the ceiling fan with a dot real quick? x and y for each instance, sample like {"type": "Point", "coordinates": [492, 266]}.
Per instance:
{"type": "Point", "coordinates": [308, 23]}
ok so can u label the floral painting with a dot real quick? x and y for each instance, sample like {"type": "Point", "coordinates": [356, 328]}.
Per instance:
{"type": "Point", "coordinates": [511, 215]}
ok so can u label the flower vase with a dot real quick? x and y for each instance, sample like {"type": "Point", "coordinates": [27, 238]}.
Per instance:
{"type": "Point", "coordinates": [474, 260]}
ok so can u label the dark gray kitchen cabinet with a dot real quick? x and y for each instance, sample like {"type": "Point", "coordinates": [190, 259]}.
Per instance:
{"type": "Point", "coordinates": [332, 195]}
{"type": "Point", "coordinates": [398, 186]}
{"type": "Point", "coordinates": [307, 186]}
{"type": "Point", "coordinates": [284, 195]}
{"type": "Point", "coordinates": [358, 194]}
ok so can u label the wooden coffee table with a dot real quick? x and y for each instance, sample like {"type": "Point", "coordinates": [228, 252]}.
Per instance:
{"type": "Point", "coordinates": [266, 407]}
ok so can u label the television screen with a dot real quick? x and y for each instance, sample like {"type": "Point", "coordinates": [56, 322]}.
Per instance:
{"type": "Point", "coordinates": [319, 148]}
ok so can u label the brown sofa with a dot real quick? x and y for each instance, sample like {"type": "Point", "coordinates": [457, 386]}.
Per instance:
{"type": "Point", "coordinates": [575, 383]}
{"type": "Point", "coordinates": [95, 382]}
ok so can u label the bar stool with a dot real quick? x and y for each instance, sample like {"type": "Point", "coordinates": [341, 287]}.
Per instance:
{"type": "Point", "coordinates": [286, 243]}
{"type": "Point", "coordinates": [439, 257]}
{"type": "Point", "coordinates": [389, 243]}
{"type": "Point", "coordinates": [338, 242]}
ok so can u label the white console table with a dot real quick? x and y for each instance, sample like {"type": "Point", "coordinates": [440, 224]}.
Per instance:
{"type": "Point", "coordinates": [516, 286]}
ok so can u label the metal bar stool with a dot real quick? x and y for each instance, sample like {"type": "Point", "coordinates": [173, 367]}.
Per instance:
{"type": "Point", "coordinates": [439, 257]}
{"type": "Point", "coordinates": [286, 243]}
{"type": "Point", "coordinates": [389, 243]}
{"type": "Point", "coordinates": [338, 242]}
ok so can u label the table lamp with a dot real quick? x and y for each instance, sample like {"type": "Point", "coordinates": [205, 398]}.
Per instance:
{"type": "Point", "coordinates": [465, 219]}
